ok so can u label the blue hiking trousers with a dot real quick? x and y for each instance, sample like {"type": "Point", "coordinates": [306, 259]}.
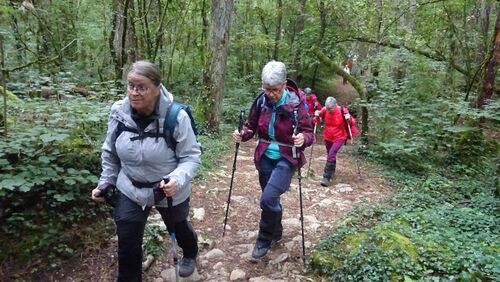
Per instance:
{"type": "Point", "coordinates": [275, 177]}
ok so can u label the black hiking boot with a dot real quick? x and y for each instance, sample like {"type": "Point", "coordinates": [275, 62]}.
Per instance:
{"type": "Point", "coordinates": [187, 267]}
{"type": "Point", "coordinates": [329, 173]}
{"type": "Point", "coordinates": [270, 232]}
{"type": "Point", "coordinates": [260, 249]}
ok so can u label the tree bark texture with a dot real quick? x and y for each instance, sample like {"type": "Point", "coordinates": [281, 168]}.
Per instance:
{"type": "Point", "coordinates": [491, 68]}
{"type": "Point", "coordinates": [219, 45]}
{"type": "Point", "coordinates": [121, 41]}
{"type": "Point", "coordinates": [323, 12]}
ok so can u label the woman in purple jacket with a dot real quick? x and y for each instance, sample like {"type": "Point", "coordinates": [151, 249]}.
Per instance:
{"type": "Point", "coordinates": [271, 117]}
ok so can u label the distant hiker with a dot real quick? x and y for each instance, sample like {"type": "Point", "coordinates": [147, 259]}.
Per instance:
{"type": "Point", "coordinates": [271, 118]}
{"type": "Point", "coordinates": [135, 159]}
{"type": "Point", "coordinates": [348, 71]}
{"type": "Point", "coordinates": [312, 101]}
{"type": "Point", "coordinates": [348, 62]}
{"type": "Point", "coordinates": [335, 135]}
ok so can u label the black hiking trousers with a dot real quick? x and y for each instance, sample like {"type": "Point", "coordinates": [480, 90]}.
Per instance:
{"type": "Point", "coordinates": [130, 220]}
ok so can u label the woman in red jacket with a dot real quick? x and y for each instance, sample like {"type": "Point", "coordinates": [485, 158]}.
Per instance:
{"type": "Point", "coordinates": [335, 134]}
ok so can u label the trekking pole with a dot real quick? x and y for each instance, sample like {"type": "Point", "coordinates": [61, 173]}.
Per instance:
{"type": "Point", "coordinates": [240, 127]}
{"type": "Point", "coordinates": [171, 231]}
{"type": "Point", "coordinates": [294, 155]}
{"type": "Point", "coordinates": [350, 132]}
{"type": "Point", "coordinates": [311, 155]}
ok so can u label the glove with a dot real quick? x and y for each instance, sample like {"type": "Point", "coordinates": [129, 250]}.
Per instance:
{"type": "Point", "coordinates": [316, 120]}
{"type": "Point", "coordinates": [347, 116]}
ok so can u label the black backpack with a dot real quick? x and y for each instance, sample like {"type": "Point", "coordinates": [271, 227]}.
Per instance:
{"type": "Point", "coordinates": [168, 125]}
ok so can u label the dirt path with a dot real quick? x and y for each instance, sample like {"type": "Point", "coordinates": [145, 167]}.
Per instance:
{"type": "Point", "coordinates": [323, 207]}
{"type": "Point", "coordinates": [228, 258]}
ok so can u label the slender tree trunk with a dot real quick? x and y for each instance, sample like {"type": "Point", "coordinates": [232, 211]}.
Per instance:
{"type": "Point", "coordinates": [365, 128]}
{"type": "Point", "coordinates": [296, 43]}
{"type": "Point", "coordinates": [491, 69]}
{"type": "Point", "coordinates": [323, 12]}
{"type": "Point", "coordinates": [17, 36]}
{"type": "Point", "coordinates": [277, 35]}
{"type": "Point", "coordinates": [204, 35]}
{"type": "Point", "coordinates": [123, 58]}
{"type": "Point", "coordinates": [3, 74]}
{"type": "Point", "coordinates": [112, 36]}
{"type": "Point", "coordinates": [219, 43]}
{"type": "Point", "coordinates": [148, 41]}
{"type": "Point", "coordinates": [484, 25]}
{"type": "Point", "coordinates": [132, 41]}
{"type": "Point", "coordinates": [159, 31]}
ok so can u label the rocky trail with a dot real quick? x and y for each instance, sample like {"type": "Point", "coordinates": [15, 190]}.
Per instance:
{"type": "Point", "coordinates": [228, 258]}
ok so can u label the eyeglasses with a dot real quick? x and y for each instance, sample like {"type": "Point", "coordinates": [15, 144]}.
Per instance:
{"type": "Point", "coordinates": [141, 89]}
{"type": "Point", "coordinates": [274, 90]}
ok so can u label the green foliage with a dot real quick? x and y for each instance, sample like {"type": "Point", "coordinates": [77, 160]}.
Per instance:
{"type": "Point", "coordinates": [432, 229]}
{"type": "Point", "coordinates": [48, 169]}
{"type": "Point", "coordinates": [153, 243]}
{"type": "Point", "coordinates": [215, 147]}
{"type": "Point", "coordinates": [415, 116]}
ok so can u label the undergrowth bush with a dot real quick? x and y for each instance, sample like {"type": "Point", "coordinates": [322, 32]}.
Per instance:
{"type": "Point", "coordinates": [434, 228]}
{"type": "Point", "coordinates": [49, 163]}
{"type": "Point", "coordinates": [48, 166]}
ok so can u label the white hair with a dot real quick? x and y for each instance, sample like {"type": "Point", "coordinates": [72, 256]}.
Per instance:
{"type": "Point", "coordinates": [273, 73]}
{"type": "Point", "coordinates": [330, 103]}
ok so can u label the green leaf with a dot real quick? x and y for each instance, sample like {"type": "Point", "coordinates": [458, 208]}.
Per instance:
{"type": "Point", "coordinates": [64, 197]}
{"type": "Point", "coordinates": [46, 159]}
{"type": "Point", "coordinates": [49, 137]}
{"type": "Point", "coordinates": [12, 183]}
{"type": "Point", "coordinates": [69, 181]}
{"type": "Point", "coordinates": [459, 128]}
{"type": "Point", "coordinates": [72, 171]}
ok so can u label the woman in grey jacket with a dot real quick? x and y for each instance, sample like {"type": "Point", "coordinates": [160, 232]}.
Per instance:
{"type": "Point", "coordinates": [136, 159]}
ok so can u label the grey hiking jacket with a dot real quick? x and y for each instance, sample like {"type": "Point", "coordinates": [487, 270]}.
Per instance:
{"type": "Point", "coordinates": [149, 159]}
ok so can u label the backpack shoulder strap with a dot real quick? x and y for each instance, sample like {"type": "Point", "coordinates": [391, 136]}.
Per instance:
{"type": "Point", "coordinates": [170, 122]}
{"type": "Point", "coordinates": [260, 100]}
{"type": "Point", "coordinates": [122, 127]}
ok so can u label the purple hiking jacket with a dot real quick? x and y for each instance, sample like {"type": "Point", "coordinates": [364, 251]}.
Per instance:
{"type": "Point", "coordinates": [258, 122]}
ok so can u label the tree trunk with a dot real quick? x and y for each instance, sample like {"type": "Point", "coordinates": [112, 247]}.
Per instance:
{"type": "Point", "coordinates": [219, 43]}
{"type": "Point", "coordinates": [112, 35]}
{"type": "Point", "coordinates": [296, 43]}
{"type": "Point", "coordinates": [17, 36]}
{"type": "Point", "coordinates": [3, 87]}
{"type": "Point", "coordinates": [204, 38]}
{"type": "Point", "coordinates": [491, 69]}
{"type": "Point", "coordinates": [323, 12]}
{"type": "Point", "coordinates": [123, 58]}
{"type": "Point", "coordinates": [121, 41]}
{"type": "Point", "coordinates": [277, 35]}
{"type": "Point", "coordinates": [159, 31]}
{"type": "Point", "coordinates": [484, 25]}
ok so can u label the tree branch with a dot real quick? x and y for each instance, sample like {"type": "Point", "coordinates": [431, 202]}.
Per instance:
{"type": "Point", "coordinates": [40, 60]}
{"type": "Point", "coordinates": [338, 70]}
{"type": "Point", "coordinates": [427, 54]}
